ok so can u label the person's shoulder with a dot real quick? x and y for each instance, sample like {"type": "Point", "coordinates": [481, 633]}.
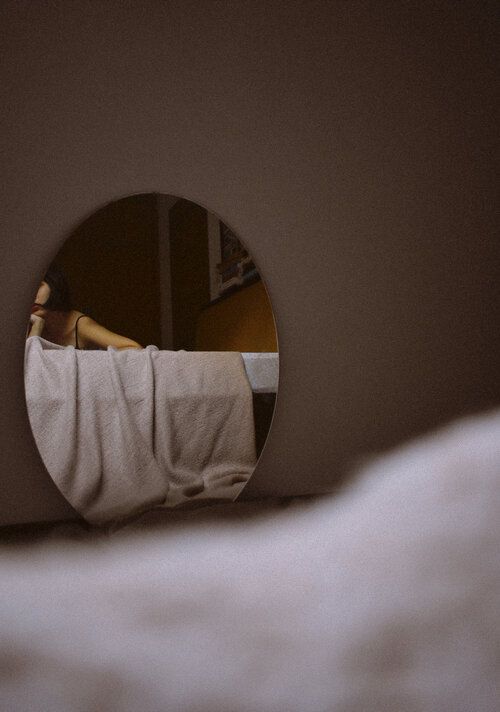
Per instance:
{"type": "Point", "coordinates": [75, 316]}
{"type": "Point", "coordinates": [80, 321]}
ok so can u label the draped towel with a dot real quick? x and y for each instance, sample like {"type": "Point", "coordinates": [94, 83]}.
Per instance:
{"type": "Point", "coordinates": [122, 431]}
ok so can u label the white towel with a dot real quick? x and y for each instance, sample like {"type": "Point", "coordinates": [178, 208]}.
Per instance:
{"type": "Point", "coordinates": [122, 431]}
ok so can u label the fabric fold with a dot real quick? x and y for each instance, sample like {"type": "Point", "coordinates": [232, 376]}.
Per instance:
{"type": "Point", "coordinates": [123, 431]}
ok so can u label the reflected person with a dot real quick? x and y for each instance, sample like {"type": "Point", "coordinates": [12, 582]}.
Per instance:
{"type": "Point", "coordinates": [54, 319]}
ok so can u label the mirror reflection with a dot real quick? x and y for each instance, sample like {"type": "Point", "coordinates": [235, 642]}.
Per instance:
{"type": "Point", "coordinates": [151, 364]}
{"type": "Point", "coordinates": [53, 318]}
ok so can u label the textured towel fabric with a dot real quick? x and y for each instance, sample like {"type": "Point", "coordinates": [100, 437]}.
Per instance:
{"type": "Point", "coordinates": [121, 431]}
{"type": "Point", "coordinates": [383, 599]}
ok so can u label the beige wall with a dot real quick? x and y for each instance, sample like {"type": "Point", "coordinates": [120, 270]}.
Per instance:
{"type": "Point", "coordinates": [350, 145]}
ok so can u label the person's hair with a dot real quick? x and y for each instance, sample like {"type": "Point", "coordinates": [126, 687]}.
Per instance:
{"type": "Point", "coordinates": [59, 297]}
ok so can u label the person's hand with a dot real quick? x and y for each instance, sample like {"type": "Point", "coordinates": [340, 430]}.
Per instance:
{"type": "Point", "coordinates": [37, 325]}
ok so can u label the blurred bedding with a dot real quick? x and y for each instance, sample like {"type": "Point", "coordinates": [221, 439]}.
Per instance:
{"type": "Point", "coordinates": [384, 598]}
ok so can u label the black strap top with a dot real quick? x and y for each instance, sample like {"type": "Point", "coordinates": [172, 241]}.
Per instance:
{"type": "Point", "coordinates": [76, 330]}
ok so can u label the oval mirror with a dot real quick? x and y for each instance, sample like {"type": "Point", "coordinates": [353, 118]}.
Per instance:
{"type": "Point", "coordinates": [151, 363]}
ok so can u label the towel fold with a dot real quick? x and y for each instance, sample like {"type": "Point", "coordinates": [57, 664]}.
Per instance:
{"type": "Point", "coordinates": [123, 431]}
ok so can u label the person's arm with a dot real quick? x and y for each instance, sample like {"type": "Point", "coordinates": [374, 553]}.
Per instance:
{"type": "Point", "coordinates": [37, 326]}
{"type": "Point", "coordinates": [90, 333]}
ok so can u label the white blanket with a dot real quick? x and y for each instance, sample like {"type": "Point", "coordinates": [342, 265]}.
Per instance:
{"type": "Point", "coordinates": [383, 599]}
{"type": "Point", "coordinates": [121, 431]}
